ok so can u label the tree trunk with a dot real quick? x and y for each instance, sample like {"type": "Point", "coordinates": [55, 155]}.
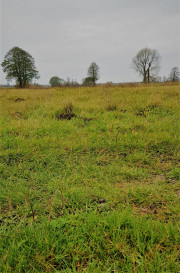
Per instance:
{"type": "Point", "coordinates": [148, 75]}
{"type": "Point", "coordinates": [144, 76]}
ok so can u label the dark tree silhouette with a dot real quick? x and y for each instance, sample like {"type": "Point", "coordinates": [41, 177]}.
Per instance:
{"type": "Point", "coordinates": [93, 72]}
{"type": "Point", "coordinates": [87, 81]}
{"type": "Point", "coordinates": [19, 65]}
{"type": "Point", "coordinates": [56, 81]}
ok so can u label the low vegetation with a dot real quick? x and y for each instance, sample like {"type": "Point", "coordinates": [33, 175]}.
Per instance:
{"type": "Point", "coordinates": [89, 179]}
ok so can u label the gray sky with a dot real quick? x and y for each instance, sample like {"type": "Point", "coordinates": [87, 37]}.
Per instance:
{"type": "Point", "coordinates": [65, 36]}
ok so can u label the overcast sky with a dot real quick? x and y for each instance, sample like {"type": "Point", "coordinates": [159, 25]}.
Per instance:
{"type": "Point", "coordinates": [65, 36]}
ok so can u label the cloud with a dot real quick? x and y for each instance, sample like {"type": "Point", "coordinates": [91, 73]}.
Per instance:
{"type": "Point", "coordinates": [64, 37]}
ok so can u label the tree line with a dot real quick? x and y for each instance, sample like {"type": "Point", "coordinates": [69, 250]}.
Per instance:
{"type": "Point", "coordinates": [19, 65]}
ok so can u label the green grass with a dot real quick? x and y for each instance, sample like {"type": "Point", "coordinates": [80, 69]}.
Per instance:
{"type": "Point", "coordinates": [95, 193]}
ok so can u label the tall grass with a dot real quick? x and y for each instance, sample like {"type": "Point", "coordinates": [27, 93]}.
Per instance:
{"type": "Point", "coordinates": [89, 179]}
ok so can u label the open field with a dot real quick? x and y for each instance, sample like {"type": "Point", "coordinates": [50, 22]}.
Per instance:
{"type": "Point", "coordinates": [90, 179]}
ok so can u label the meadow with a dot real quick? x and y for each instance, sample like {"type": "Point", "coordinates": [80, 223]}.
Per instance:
{"type": "Point", "coordinates": [90, 179]}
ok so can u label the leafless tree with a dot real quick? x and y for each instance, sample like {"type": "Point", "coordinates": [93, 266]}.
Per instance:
{"type": "Point", "coordinates": [174, 74]}
{"type": "Point", "coordinates": [147, 63]}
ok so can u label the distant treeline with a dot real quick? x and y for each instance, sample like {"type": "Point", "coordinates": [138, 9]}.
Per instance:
{"type": "Point", "coordinates": [19, 66]}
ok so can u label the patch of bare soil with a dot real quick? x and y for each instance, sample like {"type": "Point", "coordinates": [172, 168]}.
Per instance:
{"type": "Point", "coordinates": [159, 177]}
{"type": "Point", "coordinates": [19, 99]}
{"type": "Point", "coordinates": [152, 209]}
{"type": "Point", "coordinates": [67, 116]}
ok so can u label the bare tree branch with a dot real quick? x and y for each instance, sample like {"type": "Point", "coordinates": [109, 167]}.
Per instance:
{"type": "Point", "coordinates": [147, 63]}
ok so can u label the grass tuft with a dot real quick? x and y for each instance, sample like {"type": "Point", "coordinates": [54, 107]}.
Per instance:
{"type": "Point", "coordinates": [66, 113]}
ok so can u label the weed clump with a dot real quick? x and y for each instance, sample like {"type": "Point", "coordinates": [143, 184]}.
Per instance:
{"type": "Point", "coordinates": [141, 112]}
{"type": "Point", "coordinates": [152, 106]}
{"type": "Point", "coordinates": [66, 113]}
{"type": "Point", "coordinates": [123, 110]}
{"type": "Point", "coordinates": [111, 107]}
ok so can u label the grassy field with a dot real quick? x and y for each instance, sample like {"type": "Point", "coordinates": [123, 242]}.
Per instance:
{"type": "Point", "coordinates": [89, 179]}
